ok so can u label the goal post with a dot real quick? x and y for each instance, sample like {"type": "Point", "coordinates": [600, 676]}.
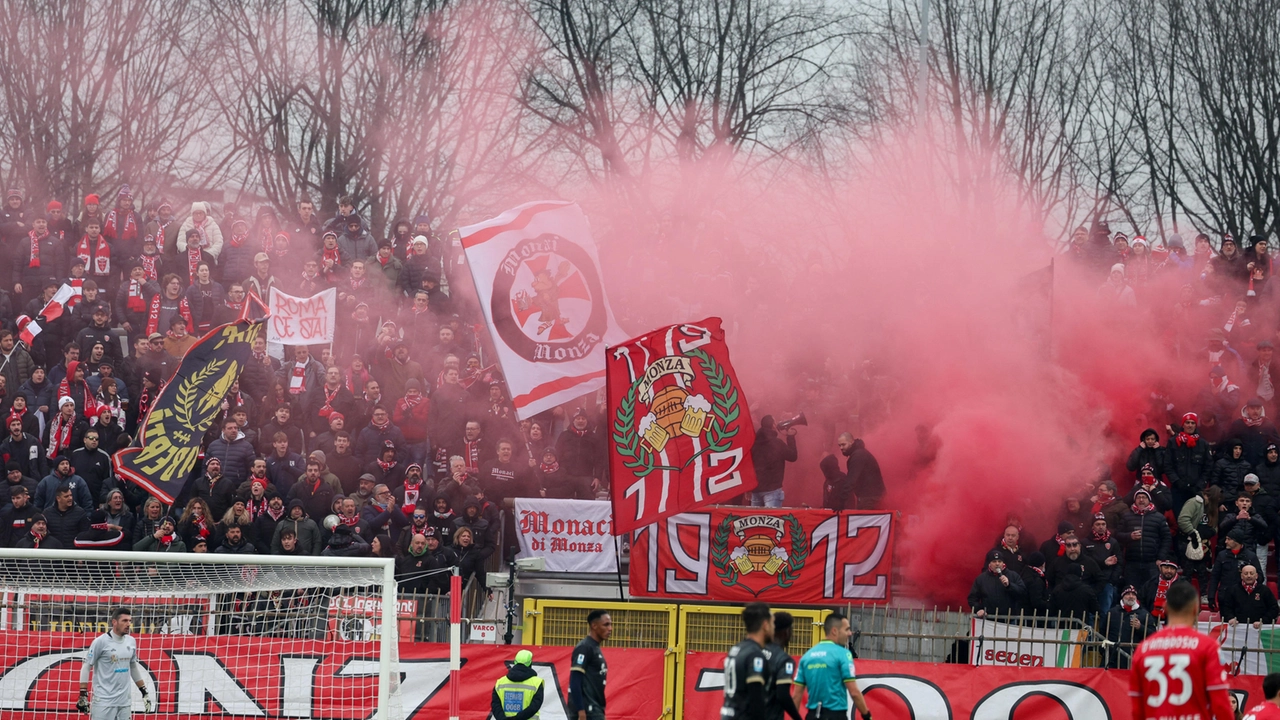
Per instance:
{"type": "Point", "coordinates": [218, 635]}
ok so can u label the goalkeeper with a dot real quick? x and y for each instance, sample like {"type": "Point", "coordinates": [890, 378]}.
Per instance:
{"type": "Point", "coordinates": [113, 660]}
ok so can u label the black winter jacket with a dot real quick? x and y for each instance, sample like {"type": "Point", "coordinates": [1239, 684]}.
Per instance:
{"type": "Point", "coordinates": [1243, 606]}
{"type": "Point", "coordinates": [991, 595]}
{"type": "Point", "coordinates": [1155, 540]}
{"type": "Point", "coordinates": [1189, 467]}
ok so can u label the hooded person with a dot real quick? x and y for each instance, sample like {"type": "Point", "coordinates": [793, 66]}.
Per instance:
{"type": "Point", "coordinates": [100, 535]}
{"type": "Point", "coordinates": [1253, 430]}
{"type": "Point", "coordinates": [345, 542]}
{"type": "Point", "coordinates": [1148, 452]}
{"type": "Point", "coordinates": [441, 517]}
{"type": "Point", "coordinates": [1190, 461]}
{"type": "Point", "coordinates": [1127, 624]}
{"type": "Point", "coordinates": [1033, 576]}
{"type": "Point", "coordinates": [1230, 468]}
{"type": "Point", "coordinates": [75, 387]}
{"type": "Point", "coordinates": [835, 487]}
{"type": "Point", "coordinates": [518, 694]}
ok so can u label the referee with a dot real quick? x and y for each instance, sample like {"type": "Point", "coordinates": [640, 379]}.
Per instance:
{"type": "Point", "coordinates": [826, 672]}
{"type": "Point", "coordinates": [587, 669]}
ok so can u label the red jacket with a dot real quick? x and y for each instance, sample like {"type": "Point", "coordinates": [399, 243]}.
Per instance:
{"type": "Point", "coordinates": [412, 420]}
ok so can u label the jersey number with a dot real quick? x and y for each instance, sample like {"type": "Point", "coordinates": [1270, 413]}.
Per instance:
{"type": "Point", "coordinates": [1162, 677]}
{"type": "Point", "coordinates": [730, 678]}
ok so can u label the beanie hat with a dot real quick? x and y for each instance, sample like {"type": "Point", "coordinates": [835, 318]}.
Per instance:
{"type": "Point", "coordinates": [993, 555]}
{"type": "Point", "coordinates": [92, 199]}
{"type": "Point", "coordinates": [53, 205]}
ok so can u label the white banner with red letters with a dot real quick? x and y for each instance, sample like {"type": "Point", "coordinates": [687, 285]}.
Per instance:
{"type": "Point", "coordinates": [302, 320]}
{"type": "Point", "coordinates": [538, 280]}
{"type": "Point", "coordinates": [571, 535]}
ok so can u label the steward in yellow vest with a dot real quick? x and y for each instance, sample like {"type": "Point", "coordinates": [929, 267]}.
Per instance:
{"type": "Point", "coordinates": [518, 694]}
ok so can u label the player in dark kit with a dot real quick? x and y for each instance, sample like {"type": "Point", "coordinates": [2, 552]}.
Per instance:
{"type": "Point", "coordinates": [781, 670]}
{"type": "Point", "coordinates": [1176, 672]}
{"type": "Point", "coordinates": [746, 668]}
{"type": "Point", "coordinates": [587, 670]}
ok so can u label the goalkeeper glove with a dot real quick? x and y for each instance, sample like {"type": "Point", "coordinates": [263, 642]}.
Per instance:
{"type": "Point", "coordinates": [147, 705]}
{"type": "Point", "coordinates": [83, 703]}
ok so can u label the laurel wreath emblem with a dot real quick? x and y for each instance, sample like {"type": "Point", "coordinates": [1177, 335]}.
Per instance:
{"type": "Point", "coordinates": [187, 408]}
{"type": "Point", "coordinates": [787, 575]}
{"type": "Point", "coordinates": [724, 396]}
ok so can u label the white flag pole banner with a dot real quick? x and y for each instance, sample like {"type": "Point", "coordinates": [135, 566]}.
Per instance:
{"type": "Point", "coordinates": [302, 320]}
{"type": "Point", "coordinates": [572, 535]}
{"type": "Point", "coordinates": [538, 279]}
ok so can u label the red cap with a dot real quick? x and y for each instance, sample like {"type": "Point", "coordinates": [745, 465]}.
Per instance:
{"type": "Point", "coordinates": [91, 199]}
{"type": "Point", "coordinates": [53, 205]}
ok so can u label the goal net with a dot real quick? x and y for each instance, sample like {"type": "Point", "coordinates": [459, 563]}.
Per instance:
{"type": "Point", "coordinates": [217, 635]}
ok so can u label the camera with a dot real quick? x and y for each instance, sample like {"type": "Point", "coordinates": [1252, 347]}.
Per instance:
{"type": "Point", "coordinates": [797, 421]}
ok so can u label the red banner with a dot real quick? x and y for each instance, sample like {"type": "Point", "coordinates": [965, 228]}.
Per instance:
{"type": "Point", "coordinates": [923, 691]}
{"type": "Point", "coordinates": [680, 431]}
{"type": "Point", "coordinates": [268, 677]}
{"type": "Point", "coordinates": [780, 556]}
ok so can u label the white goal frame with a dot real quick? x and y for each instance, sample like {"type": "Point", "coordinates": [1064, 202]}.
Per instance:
{"type": "Point", "coordinates": [387, 684]}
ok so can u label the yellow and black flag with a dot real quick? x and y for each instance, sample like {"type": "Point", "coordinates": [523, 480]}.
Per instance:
{"type": "Point", "coordinates": [168, 442]}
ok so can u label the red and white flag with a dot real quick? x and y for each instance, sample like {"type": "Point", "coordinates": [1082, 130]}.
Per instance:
{"type": "Point", "coordinates": [538, 280]}
{"type": "Point", "coordinates": [66, 297]}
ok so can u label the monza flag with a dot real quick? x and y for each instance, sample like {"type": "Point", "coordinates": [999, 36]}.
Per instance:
{"type": "Point", "coordinates": [168, 442]}
{"type": "Point", "coordinates": [680, 432]}
{"type": "Point", "coordinates": [538, 281]}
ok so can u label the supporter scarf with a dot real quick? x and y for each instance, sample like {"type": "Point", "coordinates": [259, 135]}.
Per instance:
{"type": "Point", "coordinates": [576, 431]}
{"type": "Point", "coordinates": [327, 409]}
{"type": "Point", "coordinates": [202, 527]}
{"type": "Point", "coordinates": [98, 526]}
{"type": "Point", "coordinates": [1248, 587]}
{"type": "Point", "coordinates": [1253, 422]}
{"type": "Point", "coordinates": [130, 230]}
{"type": "Point", "coordinates": [59, 435]}
{"type": "Point", "coordinates": [1162, 589]}
{"type": "Point", "coordinates": [1103, 537]}
{"type": "Point", "coordinates": [381, 427]}
{"type": "Point", "coordinates": [274, 514]}
{"type": "Point", "coordinates": [547, 469]}
{"type": "Point", "coordinates": [1185, 440]}
{"type": "Point", "coordinates": [1136, 511]}
{"type": "Point", "coordinates": [35, 248]}
{"type": "Point", "coordinates": [237, 306]}
{"type": "Point", "coordinates": [96, 256]}
{"type": "Point", "coordinates": [194, 254]}
{"type": "Point", "coordinates": [350, 520]}
{"type": "Point", "coordinates": [353, 379]}
{"type": "Point", "coordinates": [333, 256]}
{"type": "Point", "coordinates": [171, 334]}
{"type": "Point", "coordinates": [159, 236]}
{"type": "Point", "coordinates": [1062, 545]}
{"type": "Point", "coordinates": [35, 539]}
{"type": "Point", "coordinates": [144, 402]}
{"type": "Point", "coordinates": [256, 507]}
{"type": "Point", "coordinates": [386, 466]}
{"type": "Point", "coordinates": [238, 240]}
{"type": "Point", "coordinates": [472, 454]}
{"type": "Point", "coordinates": [412, 493]}
{"type": "Point", "coordinates": [153, 317]}
{"type": "Point", "coordinates": [136, 303]}
{"type": "Point", "coordinates": [1038, 571]}
{"type": "Point", "coordinates": [1230, 323]}
{"type": "Point", "coordinates": [149, 266]}
{"type": "Point", "coordinates": [298, 380]}
{"type": "Point", "coordinates": [357, 284]}
{"type": "Point", "coordinates": [166, 540]}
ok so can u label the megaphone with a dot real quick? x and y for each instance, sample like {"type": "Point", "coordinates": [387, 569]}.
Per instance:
{"type": "Point", "coordinates": [798, 420]}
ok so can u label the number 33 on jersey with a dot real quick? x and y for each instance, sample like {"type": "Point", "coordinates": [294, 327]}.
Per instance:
{"type": "Point", "coordinates": [1177, 676]}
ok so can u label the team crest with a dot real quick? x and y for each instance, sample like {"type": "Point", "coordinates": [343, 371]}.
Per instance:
{"type": "Point", "coordinates": [759, 552]}
{"type": "Point", "coordinates": [655, 427]}
{"type": "Point", "coordinates": [547, 303]}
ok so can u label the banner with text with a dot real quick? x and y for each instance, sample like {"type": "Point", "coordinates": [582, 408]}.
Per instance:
{"type": "Point", "coordinates": [923, 691]}
{"type": "Point", "coordinates": [572, 535]}
{"type": "Point", "coordinates": [538, 280]}
{"type": "Point", "coordinates": [680, 433]}
{"type": "Point", "coordinates": [779, 556]}
{"type": "Point", "coordinates": [302, 320]}
{"type": "Point", "coordinates": [238, 676]}
{"type": "Point", "coordinates": [997, 643]}
{"type": "Point", "coordinates": [1241, 647]}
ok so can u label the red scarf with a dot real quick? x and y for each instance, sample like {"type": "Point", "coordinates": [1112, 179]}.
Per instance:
{"type": "Point", "coordinates": [1136, 511]}
{"type": "Point", "coordinates": [1062, 545]}
{"type": "Point", "coordinates": [144, 402]}
{"type": "Point", "coordinates": [59, 435]}
{"type": "Point", "coordinates": [386, 466]}
{"type": "Point", "coordinates": [300, 375]}
{"type": "Point", "coordinates": [1185, 440]}
{"type": "Point", "coordinates": [351, 520]}
{"type": "Point", "coordinates": [1248, 587]}
{"type": "Point", "coordinates": [153, 317]}
{"type": "Point", "coordinates": [472, 454]}
{"type": "Point", "coordinates": [130, 231]}
{"type": "Point", "coordinates": [335, 257]}
{"type": "Point", "coordinates": [381, 427]}
{"type": "Point", "coordinates": [238, 240]}
{"type": "Point", "coordinates": [327, 409]}
{"type": "Point", "coordinates": [1162, 589]}
{"type": "Point", "coordinates": [35, 248]}
{"type": "Point", "coordinates": [194, 254]}
{"type": "Point", "coordinates": [547, 469]}
{"type": "Point", "coordinates": [149, 266]}
{"type": "Point", "coordinates": [35, 540]}
{"type": "Point", "coordinates": [1103, 537]}
{"type": "Point", "coordinates": [96, 257]}
{"type": "Point", "coordinates": [1253, 422]}
{"type": "Point", "coordinates": [202, 527]}
{"type": "Point", "coordinates": [412, 493]}
{"type": "Point", "coordinates": [352, 379]}
{"type": "Point", "coordinates": [167, 540]}
{"type": "Point", "coordinates": [275, 515]}
{"type": "Point", "coordinates": [159, 236]}
{"type": "Point", "coordinates": [136, 303]}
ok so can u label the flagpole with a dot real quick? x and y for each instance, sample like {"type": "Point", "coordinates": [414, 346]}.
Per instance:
{"type": "Point", "coordinates": [613, 506]}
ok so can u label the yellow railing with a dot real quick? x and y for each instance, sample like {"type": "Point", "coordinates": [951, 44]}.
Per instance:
{"type": "Point", "coordinates": [676, 629]}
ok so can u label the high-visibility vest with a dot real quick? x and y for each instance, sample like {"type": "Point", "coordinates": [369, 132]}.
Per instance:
{"type": "Point", "coordinates": [516, 696]}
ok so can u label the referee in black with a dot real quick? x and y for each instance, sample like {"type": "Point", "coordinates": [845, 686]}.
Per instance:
{"type": "Point", "coordinates": [587, 669]}
{"type": "Point", "coordinates": [782, 669]}
{"type": "Point", "coordinates": [746, 668]}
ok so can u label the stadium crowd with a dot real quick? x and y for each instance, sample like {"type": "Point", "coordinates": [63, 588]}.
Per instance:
{"type": "Point", "coordinates": [397, 440]}
{"type": "Point", "coordinates": [1199, 496]}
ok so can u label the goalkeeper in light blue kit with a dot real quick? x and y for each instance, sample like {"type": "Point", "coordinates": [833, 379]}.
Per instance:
{"type": "Point", "coordinates": [113, 660]}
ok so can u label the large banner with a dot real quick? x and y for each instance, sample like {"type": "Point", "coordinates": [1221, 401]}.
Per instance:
{"type": "Point", "coordinates": [1241, 647]}
{"type": "Point", "coordinates": [680, 432]}
{"type": "Point", "coordinates": [302, 320]}
{"type": "Point", "coordinates": [538, 280]}
{"type": "Point", "coordinates": [997, 643]}
{"type": "Point", "coordinates": [922, 691]}
{"type": "Point", "coordinates": [168, 441]}
{"type": "Point", "coordinates": [571, 535]}
{"type": "Point", "coordinates": [737, 554]}
{"type": "Point", "coordinates": [264, 677]}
